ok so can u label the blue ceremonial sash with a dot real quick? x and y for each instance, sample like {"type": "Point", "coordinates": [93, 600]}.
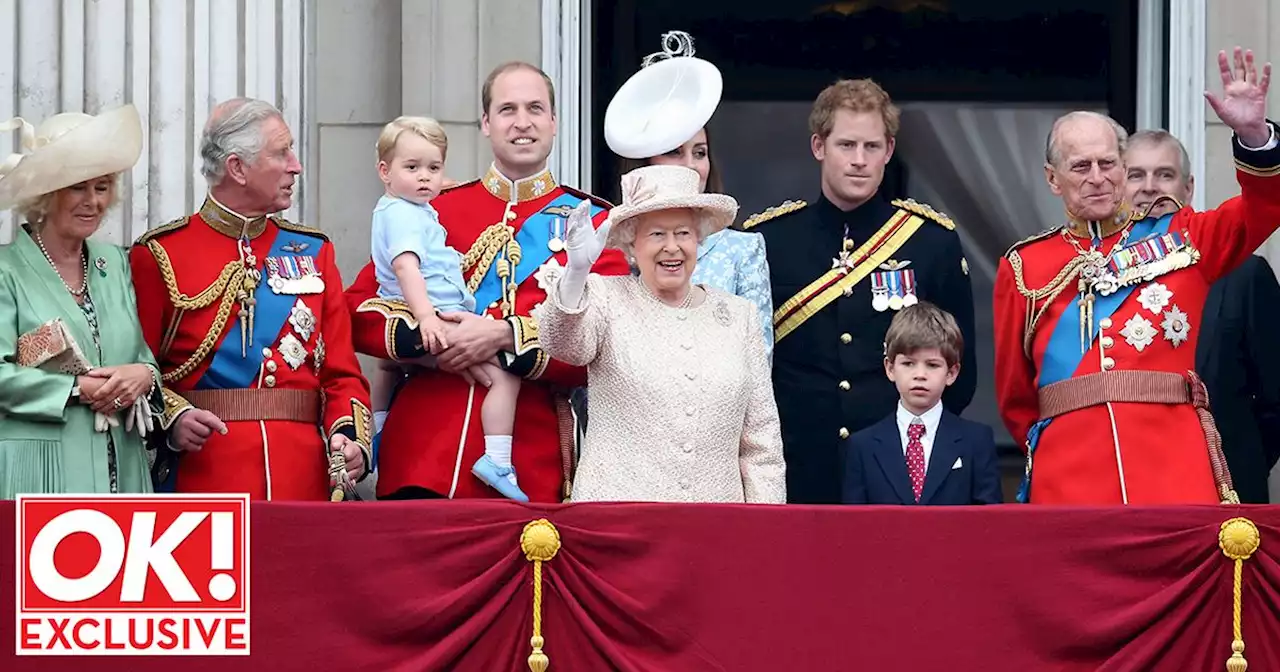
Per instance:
{"type": "Point", "coordinates": [533, 236]}
{"type": "Point", "coordinates": [228, 370]}
{"type": "Point", "coordinates": [1063, 356]}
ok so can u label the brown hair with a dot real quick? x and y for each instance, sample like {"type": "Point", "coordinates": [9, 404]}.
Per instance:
{"type": "Point", "coordinates": [924, 326]}
{"type": "Point", "coordinates": [855, 95]}
{"type": "Point", "coordinates": [424, 127]}
{"type": "Point", "coordinates": [486, 91]}
{"type": "Point", "coordinates": [714, 183]}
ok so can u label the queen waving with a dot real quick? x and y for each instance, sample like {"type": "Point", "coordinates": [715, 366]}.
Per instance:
{"type": "Point", "coordinates": [682, 406]}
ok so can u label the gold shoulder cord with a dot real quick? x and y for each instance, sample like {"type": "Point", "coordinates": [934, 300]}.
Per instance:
{"type": "Point", "coordinates": [1048, 293]}
{"type": "Point", "coordinates": [223, 288]}
{"type": "Point", "coordinates": [496, 239]}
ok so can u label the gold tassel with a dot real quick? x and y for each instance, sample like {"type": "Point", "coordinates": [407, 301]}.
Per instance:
{"type": "Point", "coordinates": [1238, 539]}
{"type": "Point", "coordinates": [540, 542]}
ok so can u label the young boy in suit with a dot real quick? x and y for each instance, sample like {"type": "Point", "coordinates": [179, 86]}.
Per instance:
{"type": "Point", "coordinates": [922, 454]}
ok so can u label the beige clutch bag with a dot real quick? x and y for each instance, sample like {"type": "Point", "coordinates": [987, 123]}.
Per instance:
{"type": "Point", "coordinates": [51, 347]}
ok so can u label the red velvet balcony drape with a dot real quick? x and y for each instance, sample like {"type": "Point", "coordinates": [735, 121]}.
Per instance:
{"type": "Point", "coordinates": [642, 587]}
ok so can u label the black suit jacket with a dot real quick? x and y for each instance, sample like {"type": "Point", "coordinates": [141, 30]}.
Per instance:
{"type": "Point", "coordinates": [828, 375]}
{"type": "Point", "coordinates": [1239, 360]}
{"type": "Point", "coordinates": [875, 468]}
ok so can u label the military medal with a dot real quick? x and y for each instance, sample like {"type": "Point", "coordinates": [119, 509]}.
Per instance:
{"type": "Point", "coordinates": [556, 244]}
{"type": "Point", "coordinates": [302, 320]}
{"type": "Point", "coordinates": [294, 275]}
{"type": "Point", "coordinates": [292, 351]}
{"type": "Point", "coordinates": [317, 356]}
{"type": "Point", "coordinates": [879, 292]}
{"type": "Point", "coordinates": [909, 297]}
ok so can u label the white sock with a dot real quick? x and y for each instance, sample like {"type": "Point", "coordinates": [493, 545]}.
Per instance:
{"type": "Point", "coordinates": [498, 448]}
{"type": "Point", "coordinates": [379, 417]}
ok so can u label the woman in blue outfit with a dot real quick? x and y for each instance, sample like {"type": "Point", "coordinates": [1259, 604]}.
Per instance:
{"type": "Point", "coordinates": [729, 260]}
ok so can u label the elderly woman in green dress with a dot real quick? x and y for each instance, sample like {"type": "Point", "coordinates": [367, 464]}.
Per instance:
{"type": "Point", "coordinates": [78, 384]}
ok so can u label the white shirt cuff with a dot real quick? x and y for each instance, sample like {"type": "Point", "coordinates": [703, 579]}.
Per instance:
{"type": "Point", "coordinates": [1271, 143]}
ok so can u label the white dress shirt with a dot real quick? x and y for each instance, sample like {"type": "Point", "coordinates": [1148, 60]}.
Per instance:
{"type": "Point", "coordinates": [931, 418]}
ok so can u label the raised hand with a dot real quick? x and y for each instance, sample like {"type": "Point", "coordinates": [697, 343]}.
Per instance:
{"type": "Point", "coordinates": [583, 241]}
{"type": "Point", "coordinates": [1243, 105]}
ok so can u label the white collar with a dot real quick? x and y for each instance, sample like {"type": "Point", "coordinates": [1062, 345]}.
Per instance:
{"type": "Point", "coordinates": [930, 418]}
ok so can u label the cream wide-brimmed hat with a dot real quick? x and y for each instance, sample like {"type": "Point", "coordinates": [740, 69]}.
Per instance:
{"type": "Point", "coordinates": [68, 149]}
{"type": "Point", "coordinates": [665, 104]}
{"type": "Point", "coordinates": [655, 188]}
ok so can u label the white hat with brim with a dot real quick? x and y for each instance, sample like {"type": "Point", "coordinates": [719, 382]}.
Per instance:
{"type": "Point", "coordinates": [68, 149]}
{"type": "Point", "coordinates": [666, 187]}
{"type": "Point", "coordinates": [663, 105]}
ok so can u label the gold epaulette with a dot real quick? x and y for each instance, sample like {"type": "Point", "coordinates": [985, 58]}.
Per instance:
{"type": "Point", "coordinates": [299, 228]}
{"type": "Point", "coordinates": [161, 230]}
{"type": "Point", "coordinates": [1033, 238]}
{"type": "Point", "coordinates": [786, 207]}
{"type": "Point", "coordinates": [925, 210]}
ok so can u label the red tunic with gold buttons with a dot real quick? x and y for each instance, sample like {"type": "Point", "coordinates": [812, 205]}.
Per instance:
{"type": "Point", "coordinates": [433, 434]}
{"type": "Point", "coordinates": [1108, 450]}
{"type": "Point", "coordinates": [247, 320]}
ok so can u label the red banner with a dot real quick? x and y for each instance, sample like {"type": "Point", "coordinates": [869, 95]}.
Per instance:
{"type": "Point", "coordinates": [427, 586]}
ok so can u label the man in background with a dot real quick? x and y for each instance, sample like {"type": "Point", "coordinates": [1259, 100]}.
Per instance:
{"type": "Point", "coordinates": [1233, 356]}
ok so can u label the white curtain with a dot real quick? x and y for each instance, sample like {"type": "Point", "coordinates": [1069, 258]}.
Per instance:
{"type": "Point", "coordinates": [982, 164]}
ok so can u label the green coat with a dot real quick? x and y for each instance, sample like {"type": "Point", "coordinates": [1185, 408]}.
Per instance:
{"type": "Point", "coordinates": [47, 442]}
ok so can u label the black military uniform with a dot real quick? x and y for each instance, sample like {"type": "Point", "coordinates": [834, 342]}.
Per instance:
{"type": "Point", "coordinates": [838, 278]}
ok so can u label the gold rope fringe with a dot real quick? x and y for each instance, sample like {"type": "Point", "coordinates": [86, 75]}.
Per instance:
{"type": "Point", "coordinates": [1239, 539]}
{"type": "Point", "coordinates": [540, 542]}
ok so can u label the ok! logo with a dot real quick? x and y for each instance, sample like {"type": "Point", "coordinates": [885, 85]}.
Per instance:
{"type": "Point", "coordinates": [150, 575]}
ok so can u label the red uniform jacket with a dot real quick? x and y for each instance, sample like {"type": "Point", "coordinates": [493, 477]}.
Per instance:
{"type": "Point", "coordinates": [433, 433]}
{"type": "Point", "coordinates": [192, 280]}
{"type": "Point", "coordinates": [1158, 451]}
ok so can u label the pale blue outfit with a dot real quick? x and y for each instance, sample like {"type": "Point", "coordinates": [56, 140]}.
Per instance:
{"type": "Point", "coordinates": [734, 262]}
{"type": "Point", "coordinates": [401, 226]}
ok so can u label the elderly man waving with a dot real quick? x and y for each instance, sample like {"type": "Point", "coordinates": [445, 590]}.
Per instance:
{"type": "Point", "coordinates": [1096, 321]}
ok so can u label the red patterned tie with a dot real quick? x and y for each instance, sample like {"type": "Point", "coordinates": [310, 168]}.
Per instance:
{"type": "Point", "coordinates": [915, 456]}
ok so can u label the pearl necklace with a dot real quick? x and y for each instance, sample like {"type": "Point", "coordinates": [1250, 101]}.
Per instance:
{"type": "Point", "coordinates": [684, 305]}
{"type": "Point", "coordinates": [84, 282]}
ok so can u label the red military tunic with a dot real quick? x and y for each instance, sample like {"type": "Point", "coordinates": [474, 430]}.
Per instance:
{"type": "Point", "coordinates": [283, 389]}
{"type": "Point", "coordinates": [1122, 451]}
{"type": "Point", "coordinates": [433, 432]}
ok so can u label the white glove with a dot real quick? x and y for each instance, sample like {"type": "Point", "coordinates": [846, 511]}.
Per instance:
{"type": "Point", "coordinates": [139, 416]}
{"type": "Point", "coordinates": [583, 245]}
{"type": "Point", "coordinates": [103, 422]}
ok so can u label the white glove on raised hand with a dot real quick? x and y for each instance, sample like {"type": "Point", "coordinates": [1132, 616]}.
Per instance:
{"type": "Point", "coordinates": [583, 241]}
{"type": "Point", "coordinates": [583, 245]}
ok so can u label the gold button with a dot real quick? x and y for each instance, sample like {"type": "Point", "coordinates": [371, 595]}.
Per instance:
{"type": "Point", "coordinates": [271, 366]}
{"type": "Point", "coordinates": [848, 244]}
{"type": "Point", "coordinates": [493, 305]}
{"type": "Point", "coordinates": [510, 215]}
{"type": "Point", "coordinates": [844, 433]}
{"type": "Point", "coordinates": [844, 385]}
{"type": "Point", "coordinates": [1108, 342]}
{"type": "Point", "coordinates": [269, 381]}
{"type": "Point", "coordinates": [266, 353]}
{"type": "Point", "coordinates": [1108, 363]}
{"type": "Point", "coordinates": [846, 339]}
{"type": "Point", "coordinates": [1105, 323]}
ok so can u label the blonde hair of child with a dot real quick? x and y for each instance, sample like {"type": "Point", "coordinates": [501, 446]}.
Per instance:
{"type": "Point", "coordinates": [425, 127]}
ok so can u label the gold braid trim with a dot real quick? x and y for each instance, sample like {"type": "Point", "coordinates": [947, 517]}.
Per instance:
{"type": "Point", "coordinates": [483, 252]}
{"type": "Point", "coordinates": [174, 404]}
{"type": "Point", "coordinates": [232, 276]}
{"type": "Point", "coordinates": [1048, 293]}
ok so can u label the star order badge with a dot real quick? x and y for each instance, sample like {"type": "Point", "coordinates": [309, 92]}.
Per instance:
{"type": "Point", "coordinates": [547, 273]}
{"type": "Point", "coordinates": [302, 320]}
{"type": "Point", "coordinates": [1176, 326]}
{"type": "Point", "coordinates": [318, 355]}
{"type": "Point", "coordinates": [292, 351]}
